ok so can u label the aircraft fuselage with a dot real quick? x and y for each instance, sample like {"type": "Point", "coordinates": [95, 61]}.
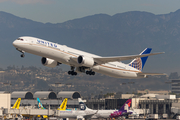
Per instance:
{"type": "Point", "coordinates": [67, 55]}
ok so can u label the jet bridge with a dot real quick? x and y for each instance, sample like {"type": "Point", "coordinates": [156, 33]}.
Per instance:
{"type": "Point", "coordinates": [30, 112]}
{"type": "Point", "coordinates": [27, 112]}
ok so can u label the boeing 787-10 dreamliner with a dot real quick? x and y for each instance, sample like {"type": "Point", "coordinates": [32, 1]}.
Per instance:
{"type": "Point", "coordinates": [54, 54]}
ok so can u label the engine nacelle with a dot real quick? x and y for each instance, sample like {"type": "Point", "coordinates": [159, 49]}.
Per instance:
{"type": "Point", "coordinates": [49, 62]}
{"type": "Point", "coordinates": [85, 61]}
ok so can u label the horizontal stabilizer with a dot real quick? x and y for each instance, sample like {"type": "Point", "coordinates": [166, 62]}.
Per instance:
{"type": "Point", "coordinates": [153, 74]}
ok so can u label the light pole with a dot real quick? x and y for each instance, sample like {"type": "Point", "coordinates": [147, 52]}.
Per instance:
{"type": "Point", "coordinates": [168, 82]}
{"type": "Point", "coordinates": [2, 73]}
{"type": "Point", "coordinates": [169, 106]}
{"type": "Point", "coordinates": [68, 85]}
{"type": "Point", "coordinates": [57, 85]}
{"type": "Point", "coordinates": [131, 83]}
{"type": "Point", "coordinates": [8, 84]}
{"type": "Point", "coordinates": [123, 85]}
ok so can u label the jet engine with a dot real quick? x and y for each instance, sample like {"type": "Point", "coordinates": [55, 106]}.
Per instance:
{"type": "Point", "coordinates": [49, 62]}
{"type": "Point", "coordinates": [85, 61]}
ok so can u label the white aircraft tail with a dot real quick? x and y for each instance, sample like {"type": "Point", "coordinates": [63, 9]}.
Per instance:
{"type": "Point", "coordinates": [82, 105]}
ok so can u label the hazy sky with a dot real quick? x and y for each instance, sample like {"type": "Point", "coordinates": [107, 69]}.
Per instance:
{"type": "Point", "coordinates": [58, 11]}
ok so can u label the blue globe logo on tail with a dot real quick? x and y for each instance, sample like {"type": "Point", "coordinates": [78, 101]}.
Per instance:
{"type": "Point", "coordinates": [82, 106]}
{"type": "Point", "coordinates": [139, 63]}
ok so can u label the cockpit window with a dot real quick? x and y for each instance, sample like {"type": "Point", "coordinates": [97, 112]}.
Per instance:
{"type": "Point", "coordinates": [20, 39]}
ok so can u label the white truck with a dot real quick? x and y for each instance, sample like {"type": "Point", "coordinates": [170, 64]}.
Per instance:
{"type": "Point", "coordinates": [152, 117]}
{"type": "Point", "coordinates": [165, 116]}
{"type": "Point", "coordinates": [178, 117]}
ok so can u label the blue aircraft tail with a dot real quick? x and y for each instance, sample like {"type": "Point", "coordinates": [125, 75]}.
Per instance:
{"type": "Point", "coordinates": [128, 102]}
{"type": "Point", "coordinates": [139, 63]}
{"type": "Point", "coordinates": [40, 106]}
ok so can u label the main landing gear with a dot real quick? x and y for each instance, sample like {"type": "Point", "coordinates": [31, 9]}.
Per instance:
{"type": "Point", "coordinates": [90, 72]}
{"type": "Point", "coordinates": [72, 71]}
{"type": "Point", "coordinates": [22, 55]}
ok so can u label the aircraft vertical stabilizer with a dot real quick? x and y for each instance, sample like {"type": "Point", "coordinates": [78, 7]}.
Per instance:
{"type": "Point", "coordinates": [40, 106]}
{"type": "Point", "coordinates": [139, 63]}
{"type": "Point", "coordinates": [82, 105]}
{"type": "Point", "coordinates": [63, 104]}
{"type": "Point", "coordinates": [17, 103]}
{"type": "Point", "coordinates": [128, 102]}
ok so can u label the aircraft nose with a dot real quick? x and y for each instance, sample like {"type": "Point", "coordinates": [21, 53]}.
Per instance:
{"type": "Point", "coordinates": [15, 43]}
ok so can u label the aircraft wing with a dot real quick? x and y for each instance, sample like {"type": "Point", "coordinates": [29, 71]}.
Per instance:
{"type": "Point", "coordinates": [103, 60]}
{"type": "Point", "coordinates": [152, 74]}
{"type": "Point", "coordinates": [127, 113]}
{"type": "Point", "coordinates": [90, 115]}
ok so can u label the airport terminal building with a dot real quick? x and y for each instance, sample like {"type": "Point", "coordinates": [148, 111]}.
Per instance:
{"type": "Point", "coordinates": [48, 98]}
{"type": "Point", "coordinates": [145, 104]}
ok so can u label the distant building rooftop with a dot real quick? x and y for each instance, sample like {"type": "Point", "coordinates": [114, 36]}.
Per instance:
{"type": "Point", "coordinates": [149, 96]}
{"type": "Point", "coordinates": [69, 94]}
{"type": "Point", "coordinates": [45, 95]}
{"type": "Point", "coordinates": [146, 91]}
{"type": "Point", "coordinates": [22, 94]}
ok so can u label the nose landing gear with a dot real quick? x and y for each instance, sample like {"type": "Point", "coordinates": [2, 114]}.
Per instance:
{"type": "Point", "coordinates": [22, 55]}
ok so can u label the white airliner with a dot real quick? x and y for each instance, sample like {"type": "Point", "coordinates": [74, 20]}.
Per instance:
{"type": "Point", "coordinates": [54, 54]}
{"type": "Point", "coordinates": [104, 114]}
{"type": "Point", "coordinates": [76, 114]}
{"type": "Point", "coordinates": [97, 113]}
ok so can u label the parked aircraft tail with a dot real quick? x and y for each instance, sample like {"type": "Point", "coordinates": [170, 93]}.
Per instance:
{"type": "Point", "coordinates": [82, 105]}
{"type": "Point", "coordinates": [139, 63]}
{"type": "Point", "coordinates": [17, 103]}
{"type": "Point", "coordinates": [123, 111]}
{"type": "Point", "coordinates": [63, 104]}
{"type": "Point", "coordinates": [40, 106]}
{"type": "Point", "coordinates": [127, 103]}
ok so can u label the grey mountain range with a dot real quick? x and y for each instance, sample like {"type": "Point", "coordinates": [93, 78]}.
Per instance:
{"type": "Point", "coordinates": [121, 34]}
